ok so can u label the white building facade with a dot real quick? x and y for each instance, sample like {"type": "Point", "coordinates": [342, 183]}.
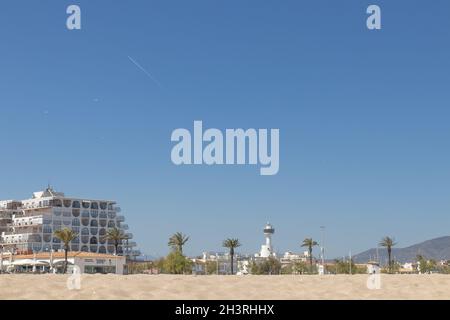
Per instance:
{"type": "Point", "coordinates": [29, 225]}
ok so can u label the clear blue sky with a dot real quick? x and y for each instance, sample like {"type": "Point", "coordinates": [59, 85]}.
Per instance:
{"type": "Point", "coordinates": [363, 116]}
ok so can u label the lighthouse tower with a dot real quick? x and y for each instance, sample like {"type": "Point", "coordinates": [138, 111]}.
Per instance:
{"type": "Point", "coordinates": [266, 249]}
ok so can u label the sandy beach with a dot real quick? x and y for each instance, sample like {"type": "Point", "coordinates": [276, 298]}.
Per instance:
{"type": "Point", "coordinates": [173, 287]}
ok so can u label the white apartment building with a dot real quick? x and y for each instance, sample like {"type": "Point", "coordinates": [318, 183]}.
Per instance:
{"type": "Point", "coordinates": [28, 226]}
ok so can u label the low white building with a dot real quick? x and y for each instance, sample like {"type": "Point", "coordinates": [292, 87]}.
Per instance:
{"type": "Point", "coordinates": [53, 262]}
{"type": "Point", "coordinates": [290, 257]}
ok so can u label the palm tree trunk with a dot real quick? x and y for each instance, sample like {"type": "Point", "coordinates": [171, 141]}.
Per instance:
{"type": "Point", "coordinates": [232, 256]}
{"type": "Point", "coordinates": [65, 259]}
{"type": "Point", "coordinates": [310, 259]}
{"type": "Point", "coordinates": [389, 260]}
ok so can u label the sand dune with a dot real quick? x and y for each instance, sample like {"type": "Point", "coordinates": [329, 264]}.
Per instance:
{"type": "Point", "coordinates": [168, 287]}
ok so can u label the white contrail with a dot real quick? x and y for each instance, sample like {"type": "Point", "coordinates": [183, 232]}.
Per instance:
{"type": "Point", "coordinates": [145, 71]}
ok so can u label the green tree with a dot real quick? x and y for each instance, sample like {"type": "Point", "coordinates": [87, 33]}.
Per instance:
{"type": "Point", "coordinates": [310, 243]}
{"type": "Point", "coordinates": [426, 266]}
{"type": "Point", "coordinates": [176, 263]}
{"type": "Point", "coordinates": [269, 266]}
{"type": "Point", "coordinates": [211, 267]}
{"type": "Point", "coordinates": [66, 236]}
{"type": "Point", "coordinates": [177, 241]}
{"type": "Point", "coordinates": [231, 244]}
{"type": "Point", "coordinates": [344, 267]}
{"type": "Point", "coordinates": [388, 243]}
{"type": "Point", "coordinates": [300, 267]}
{"type": "Point", "coordinates": [115, 235]}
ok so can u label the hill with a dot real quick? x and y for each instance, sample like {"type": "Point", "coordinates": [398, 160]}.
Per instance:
{"type": "Point", "coordinates": [438, 249]}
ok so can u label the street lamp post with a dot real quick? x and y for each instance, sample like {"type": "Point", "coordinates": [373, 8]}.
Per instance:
{"type": "Point", "coordinates": [217, 260]}
{"type": "Point", "coordinates": [322, 249]}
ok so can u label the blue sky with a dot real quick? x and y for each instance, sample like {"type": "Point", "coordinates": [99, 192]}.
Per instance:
{"type": "Point", "coordinates": [363, 116]}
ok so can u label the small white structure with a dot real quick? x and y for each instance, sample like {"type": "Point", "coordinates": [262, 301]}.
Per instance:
{"type": "Point", "coordinates": [373, 267]}
{"type": "Point", "coordinates": [243, 268]}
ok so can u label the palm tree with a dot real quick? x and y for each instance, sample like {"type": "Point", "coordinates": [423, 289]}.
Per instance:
{"type": "Point", "coordinates": [309, 243]}
{"type": "Point", "coordinates": [388, 243]}
{"type": "Point", "coordinates": [177, 241]}
{"type": "Point", "coordinates": [66, 236]}
{"type": "Point", "coordinates": [117, 236]}
{"type": "Point", "coordinates": [231, 244]}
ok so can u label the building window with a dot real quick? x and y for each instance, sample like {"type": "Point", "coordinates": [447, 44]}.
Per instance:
{"type": "Point", "coordinates": [76, 204]}
{"type": "Point", "coordinates": [99, 269]}
{"type": "Point", "coordinates": [76, 212]}
{"type": "Point", "coordinates": [56, 202]}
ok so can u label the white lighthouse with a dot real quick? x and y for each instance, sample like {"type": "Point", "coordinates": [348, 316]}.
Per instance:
{"type": "Point", "coordinates": [266, 249]}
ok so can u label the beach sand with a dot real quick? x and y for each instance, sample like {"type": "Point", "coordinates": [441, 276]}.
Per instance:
{"type": "Point", "coordinates": [168, 287]}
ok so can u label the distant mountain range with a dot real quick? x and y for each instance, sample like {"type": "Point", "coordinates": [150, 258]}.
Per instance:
{"type": "Point", "coordinates": [438, 249]}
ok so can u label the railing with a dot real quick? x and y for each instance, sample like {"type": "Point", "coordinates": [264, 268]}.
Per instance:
{"type": "Point", "coordinates": [135, 252]}
{"type": "Point", "coordinates": [130, 244]}
{"type": "Point", "coordinates": [120, 218]}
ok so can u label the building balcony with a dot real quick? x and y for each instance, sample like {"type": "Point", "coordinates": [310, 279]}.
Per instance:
{"type": "Point", "coordinates": [135, 253]}
{"type": "Point", "coordinates": [120, 218]}
{"type": "Point", "coordinates": [129, 235]}
{"type": "Point", "coordinates": [28, 221]}
{"type": "Point", "coordinates": [130, 244]}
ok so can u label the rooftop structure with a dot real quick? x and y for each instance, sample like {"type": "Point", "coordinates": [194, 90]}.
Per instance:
{"type": "Point", "coordinates": [267, 249]}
